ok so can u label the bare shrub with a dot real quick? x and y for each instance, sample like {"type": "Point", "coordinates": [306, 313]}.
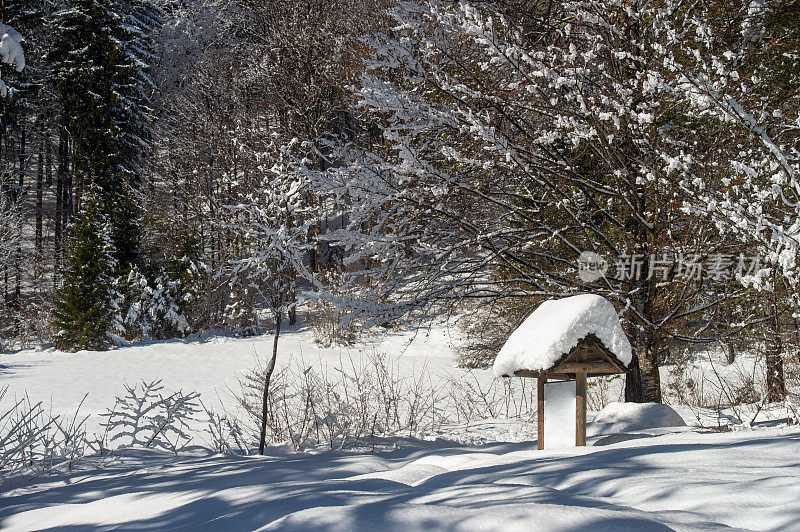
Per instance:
{"type": "Point", "coordinates": [686, 386]}
{"type": "Point", "coordinates": [499, 398]}
{"type": "Point", "coordinates": [734, 392]}
{"type": "Point", "coordinates": [325, 320]}
{"type": "Point", "coordinates": [225, 433]}
{"type": "Point", "coordinates": [328, 319]}
{"type": "Point", "coordinates": [487, 327]}
{"type": "Point", "coordinates": [600, 391]}
{"type": "Point", "coordinates": [362, 402]}
{"type": "Point", "coordinates": [146, 418]}
{"type": "Point", "coordinates": [792, 372]}
{"type": "Point", "coordinates": [33, 442]}
{"type": "Point", "coordinates": [343, 406]}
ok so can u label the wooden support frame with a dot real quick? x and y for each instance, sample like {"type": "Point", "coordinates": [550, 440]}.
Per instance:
{"type": "Point", "coordinates": [540, 382]}
{"type": "Point", "coordinates": [580, 409]}
{"type": "Point", "coordinates": [589, 358]}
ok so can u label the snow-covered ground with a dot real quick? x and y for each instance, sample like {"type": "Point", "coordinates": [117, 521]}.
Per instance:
{"type": "Point", "coordinates": [629, 478]}
{"type": "Point", "coordinates": [685, 481]}
{"type": "Point", "coordinates": [211, 367]}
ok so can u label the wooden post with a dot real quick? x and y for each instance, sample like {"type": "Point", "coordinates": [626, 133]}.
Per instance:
{"type": "Point", "coordinates": [540, 380]}
{"type": "Point", "coordinates": [580, 409]}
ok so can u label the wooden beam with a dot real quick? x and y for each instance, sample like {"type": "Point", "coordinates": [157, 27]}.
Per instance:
{"type": "Point", "coordinates": [540, 381]}
{"type": "Point", "coordinates": [580, 409]}
{"type": "Point", "coordinates": [528, 373]}
{"type": "Point", "coordinates": [586, 367]}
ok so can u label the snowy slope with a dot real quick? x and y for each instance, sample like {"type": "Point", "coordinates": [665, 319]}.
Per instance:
{"type": "Point", "coordinates": [689, 481]}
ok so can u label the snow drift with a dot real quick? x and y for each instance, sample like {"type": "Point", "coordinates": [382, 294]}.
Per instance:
{"type": "Point", "coordinates": [627, 417]}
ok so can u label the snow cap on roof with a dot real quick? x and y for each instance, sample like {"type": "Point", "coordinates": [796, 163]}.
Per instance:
{"type": "Point", "coordinates": [555, 327]}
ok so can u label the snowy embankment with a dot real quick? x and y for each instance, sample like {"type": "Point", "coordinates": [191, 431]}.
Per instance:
{"type": "Point", "coordinates": [688, 481]}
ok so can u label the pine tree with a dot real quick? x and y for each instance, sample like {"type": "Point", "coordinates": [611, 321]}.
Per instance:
{"type": "Point", "coordinates": [101, 58]}
{"type": "Point", "coordinates": [84, 304]}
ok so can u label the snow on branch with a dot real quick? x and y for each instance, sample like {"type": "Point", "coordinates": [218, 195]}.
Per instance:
{"type": "Point", "coordinates": [10, 53]}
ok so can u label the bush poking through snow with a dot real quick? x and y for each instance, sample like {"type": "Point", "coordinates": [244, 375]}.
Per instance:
{"type": "Point", "coordinates": [146, 418]}
{"type": "Point", "coordinates": [366, 402]}
{"type": "Point", "coordinates": [33, 442]}
{"type": "Point", "coordinates": [226, 435]}
{"type": "Point", "coordinates": [326, 320]}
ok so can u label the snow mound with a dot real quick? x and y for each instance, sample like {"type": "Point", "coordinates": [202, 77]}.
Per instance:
{"type": "Point", "coordinates": [627, 417]}
{"type": "Point", "coordinates": [557, 326]}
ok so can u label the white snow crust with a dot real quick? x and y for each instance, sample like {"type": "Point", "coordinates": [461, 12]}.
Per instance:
{"type": "Point", "coordinates": [557, 326]}
{"type": "Point", "coordinates": [688, 481]}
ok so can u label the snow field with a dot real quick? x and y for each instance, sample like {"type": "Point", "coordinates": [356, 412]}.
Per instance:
{"type": "Point", "coordinates": [213, 367]}
{"type": "Point", "coordinates": [460, 478]}
{"type": "Point", "coordinates": [687, 481]}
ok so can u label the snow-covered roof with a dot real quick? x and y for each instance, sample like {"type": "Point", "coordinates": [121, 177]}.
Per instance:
{"type": "Point", "coordinates": [555, 327]}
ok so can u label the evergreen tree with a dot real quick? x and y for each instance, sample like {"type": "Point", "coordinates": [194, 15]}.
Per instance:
{"type": "Point", "coordinates": [101, 59]}
{"type": "Point", "coordinates": [84, 304]}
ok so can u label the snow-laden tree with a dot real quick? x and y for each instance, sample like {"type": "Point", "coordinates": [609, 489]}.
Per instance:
{"type": "Point", "coordinates": [11, 53]}
{"type": "Point", "coordinates": [273, 224]}
{"type": "Point", "coordinates": [742, 75]}
{"type": "Point", "coordinates": [513, 141]}
{"type": "Point", "coordinates": [224, 102]}
{"type": "Point", "coordinates": [101, 60]}
{"type": "Point", "coordinates": [148, 309]}
{"type": "Point", "coordinates": [87, 300]}
{"type": "Point", "coordinates": [10, 239]}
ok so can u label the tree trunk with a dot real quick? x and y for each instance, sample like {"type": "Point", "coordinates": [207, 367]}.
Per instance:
{"type": "Point", "coordinates": [731, 352]}
{"type": "Point", "coordinates": [39, 204]}
{"type": "Point", "coordinates": [293, 308]}
{"type": "Point", "coordinates": [69, 206]}
{"type": "Point", "coordinates": [776, 384]}
{"type": "Point", "coordinates": [21, 221]}
{"type": "Point", "coordinates": [59, 215]}
{"type": "Point", "coordinates": [648, 368]}
{"type": "Point", "coordinates": [643, 382]}
{"type": "Point", "coordinates": [633, 382]}
{"type": "Point", "coordinates": [262, 443]}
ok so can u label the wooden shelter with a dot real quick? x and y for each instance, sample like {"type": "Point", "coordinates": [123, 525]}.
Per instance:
{"type": "Point", "coordinates": [590, 358]}
{"type": "Point", "coordinates": [566, 339]}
